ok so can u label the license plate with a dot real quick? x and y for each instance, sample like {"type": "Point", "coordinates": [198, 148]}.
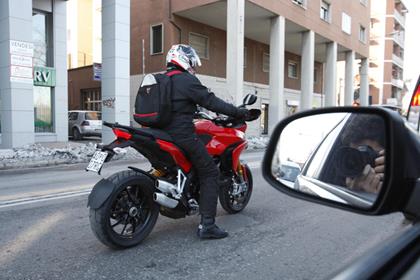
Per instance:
{"type": "Point", "coordinates": [97, 161]}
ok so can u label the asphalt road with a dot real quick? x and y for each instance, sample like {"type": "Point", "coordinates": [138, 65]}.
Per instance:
{"type": "Point", "coordinates": [45, 234]}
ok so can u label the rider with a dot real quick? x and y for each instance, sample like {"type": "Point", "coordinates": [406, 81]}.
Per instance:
{"type": "Point", "coordinates": [187, 93]}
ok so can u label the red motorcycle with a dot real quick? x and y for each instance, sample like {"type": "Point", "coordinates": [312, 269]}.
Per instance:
{"type": "Point", "coordinates": [124, 207]}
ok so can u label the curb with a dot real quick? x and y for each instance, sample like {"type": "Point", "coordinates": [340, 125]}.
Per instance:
{"type": "Point", "coordinates": [44, 164]}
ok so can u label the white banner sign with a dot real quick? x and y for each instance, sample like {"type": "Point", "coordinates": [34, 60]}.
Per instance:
{"type": "Point", "coordinates": [21, 72]}
{"type": "Point", "coordinates": [21, 48]}
{"type": "Point", "coordinates": [19, 60]}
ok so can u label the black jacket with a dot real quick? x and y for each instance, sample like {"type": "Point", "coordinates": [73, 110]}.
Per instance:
{"type": "Point", "coordinates": [187, 93]}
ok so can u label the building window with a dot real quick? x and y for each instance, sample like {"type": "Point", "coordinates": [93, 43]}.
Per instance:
{"type": "Point", "coordinates": [292, 69]}
{"type": "Point", "coordinates": [91, 99]}
{"type": "Point", "coordinates": [346, 23]}
{"type": "Point", "coordinates": [362, 34]}
{"type": "Point", "coordinates": [266, 62]}
{"type": "Point", "coordinates": [156, 34]}
{"type": "Point", "coordinates": [315, 75]}
{"type": "Point", "coordinates": [42, 39]}
{"type": "Point", "coordinates": [325, 11]}
{"type": "Point", "coordinates": [301, 3]}
{"type": "Point", "coordinates": [200, 43]}
{"type": "Point", "coordinates": [43, 109]}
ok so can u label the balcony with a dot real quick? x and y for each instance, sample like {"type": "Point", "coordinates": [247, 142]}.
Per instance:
{"type": "Point", "coordinates": [397, 60]}
{"type": "Point", "coordinates": [399, 38]}
{"type": "Point", "coordinates": [397, 82]}
{"type": "Point", "coordinates": [399, 17]}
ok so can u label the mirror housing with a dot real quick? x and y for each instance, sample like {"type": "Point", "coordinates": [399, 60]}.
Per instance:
{"type": "Point", "coordinates": [403, 164]}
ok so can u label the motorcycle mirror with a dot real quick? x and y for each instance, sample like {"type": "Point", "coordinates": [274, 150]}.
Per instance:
{"type": "Point", "coordinates": [249, 99]}
{"type": "Point", "coordinates": [342, 157]}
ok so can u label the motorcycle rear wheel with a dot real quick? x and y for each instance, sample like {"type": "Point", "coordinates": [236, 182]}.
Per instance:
{"type": "Point", "coordinates": [128, 216]}
{"type": "Point", "coordinates": [232, 204]}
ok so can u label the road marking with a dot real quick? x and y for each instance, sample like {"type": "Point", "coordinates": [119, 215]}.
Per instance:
{"type": "Point", "coordinates": [69, 194]}
{"type": "Point", "coordinates": [41, 198]}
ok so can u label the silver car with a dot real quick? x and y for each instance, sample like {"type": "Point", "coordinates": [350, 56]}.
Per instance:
{"type": "Point", "coordinates": [84, 123]}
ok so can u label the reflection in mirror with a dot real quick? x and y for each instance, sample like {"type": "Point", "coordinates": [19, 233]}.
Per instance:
{"type": "Point", "coordinates": [336, 156]}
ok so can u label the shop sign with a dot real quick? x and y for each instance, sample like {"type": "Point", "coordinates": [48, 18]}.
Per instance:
{"type": "Point", "coordinates": [97, 71]}
{"type": "Point", "coordinates": [44, 76]}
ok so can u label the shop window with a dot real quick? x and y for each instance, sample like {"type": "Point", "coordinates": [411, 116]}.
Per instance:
{"type": "Point", "coordinates": [156, 34]}
{"type": "Point", "coordinates": [264, 118]}
{"type": "Point", "coordinates": [266, 62]}
{"type": "Point", "coordinates": [200, 43]}
{"type": "Point", "coordinates": [42, 39]}
{"type": "Point", "coordinates": [91, 99]}
{"type": "Point", "coordinates": [325, 11]}
{"type": "Point", "coordinates": [292, 69]}
{"type": "Point", "coordinates": [43, 109]}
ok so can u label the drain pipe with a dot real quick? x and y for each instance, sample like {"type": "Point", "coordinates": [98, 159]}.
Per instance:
{"type": "Point", "coordinates": [170, 17]}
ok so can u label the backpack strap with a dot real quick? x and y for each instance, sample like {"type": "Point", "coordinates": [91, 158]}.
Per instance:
{"type": "Point", "coordinates": [173, 72]}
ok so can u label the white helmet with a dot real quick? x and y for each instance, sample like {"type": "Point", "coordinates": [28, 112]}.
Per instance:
{"type": "Point", "coordinates": [183, 56]}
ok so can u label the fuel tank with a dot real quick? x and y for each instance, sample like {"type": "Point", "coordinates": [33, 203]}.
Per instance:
{"type": "Point", "coordinates": [218, 138]}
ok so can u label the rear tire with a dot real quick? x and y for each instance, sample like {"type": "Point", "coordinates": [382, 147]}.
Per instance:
{"type": "Point", "coordinates": [235, 204]}
{"type": "Point", "coordinates": [128, 216]}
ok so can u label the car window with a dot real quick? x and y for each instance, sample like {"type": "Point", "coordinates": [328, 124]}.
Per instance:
{"type": "Point", "coordinates": [93, 116]}
{"type": "Point", "coordinates": [73, 116]}
{"type": "Point", "coordinates": [316, 163]}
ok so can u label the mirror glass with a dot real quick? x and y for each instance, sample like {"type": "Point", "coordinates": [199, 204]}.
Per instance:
{"type": "Point", "coordinates": [249, 99]}
{"type": "Point", "coordinates": [336, 156]}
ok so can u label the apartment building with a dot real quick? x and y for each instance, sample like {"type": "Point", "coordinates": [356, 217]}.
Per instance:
{"type": "Point", "coordinates": [84, 33]}
{"type": "Point", "coordinates": [386, 61]}
{"type": "Point", "coordinates": [285, 51]}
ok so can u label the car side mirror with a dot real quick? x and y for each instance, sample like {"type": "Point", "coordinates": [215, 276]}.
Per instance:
{"type": "Point", "coordinates": [344, 157]}
{"type": "Point", "coordinates": [249, 99]}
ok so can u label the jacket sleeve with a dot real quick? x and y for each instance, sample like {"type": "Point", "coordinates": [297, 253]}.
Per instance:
{"type": "Point", "coordinates": [202, 96]}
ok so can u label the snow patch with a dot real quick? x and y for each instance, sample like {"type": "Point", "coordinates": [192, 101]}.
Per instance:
{"type": "Point", "coordinates": [255, 143]}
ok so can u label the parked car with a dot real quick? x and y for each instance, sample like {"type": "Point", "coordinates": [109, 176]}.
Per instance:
{"type": "Point", "coordinates": [399, 190]}
{"type": "Point", "coordinates": [84, 123]}
{"type": "Point", "coordinates": [288, 172]}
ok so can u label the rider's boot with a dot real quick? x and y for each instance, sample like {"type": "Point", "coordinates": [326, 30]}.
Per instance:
{"type": "Point", "coordinates": [209, 230]}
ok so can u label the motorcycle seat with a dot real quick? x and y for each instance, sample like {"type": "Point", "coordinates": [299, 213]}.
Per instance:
{"type": "Point", "coordinates": [155, 133]}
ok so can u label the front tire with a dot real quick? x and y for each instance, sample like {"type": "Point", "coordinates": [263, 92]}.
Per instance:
{"type": "Point", "coordinates": [76, 134]}
{"type": "Point", "coordinates": [128, 216]}
{"type": "Point", "coordinates": [235, 203]}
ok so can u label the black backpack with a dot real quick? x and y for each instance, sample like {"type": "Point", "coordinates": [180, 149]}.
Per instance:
{"type": "Point", "coordinates": [153, 106]}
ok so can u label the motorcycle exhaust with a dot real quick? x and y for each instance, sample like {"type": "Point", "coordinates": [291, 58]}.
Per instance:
{"type": "Point", "coordinates": [166, 187]}
{"type": "Point", "coordinates": [165, 201]}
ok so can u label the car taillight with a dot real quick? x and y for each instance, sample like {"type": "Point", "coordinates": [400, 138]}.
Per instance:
{"type": "Point", "coordinates": [121, 134]}
{"type": "Point", "coordinates": [85, 123]}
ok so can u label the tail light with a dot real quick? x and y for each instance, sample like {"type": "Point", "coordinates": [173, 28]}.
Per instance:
{"type": "Point", "coordinates": [85, 123]}
{"type": "Point", "coordinates": [121, 134]}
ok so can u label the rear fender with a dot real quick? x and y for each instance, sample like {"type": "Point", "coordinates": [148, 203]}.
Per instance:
{"type": "Point", "coordinates": [117, 143]}
{"type": "Point", "coordinates": [100, 193]}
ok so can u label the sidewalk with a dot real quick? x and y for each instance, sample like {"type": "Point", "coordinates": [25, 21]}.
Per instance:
{"type": "Point", "coordinates": [61, 153]}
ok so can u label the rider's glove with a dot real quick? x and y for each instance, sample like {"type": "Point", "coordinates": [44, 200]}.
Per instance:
{"type": "Point", "coordinates": [242, 113]}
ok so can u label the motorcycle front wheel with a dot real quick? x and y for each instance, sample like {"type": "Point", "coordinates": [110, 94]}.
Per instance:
{"type": "Point", "coordinates": [233, 201]}
{"type": "Point", "coordinates": [128, 216]}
